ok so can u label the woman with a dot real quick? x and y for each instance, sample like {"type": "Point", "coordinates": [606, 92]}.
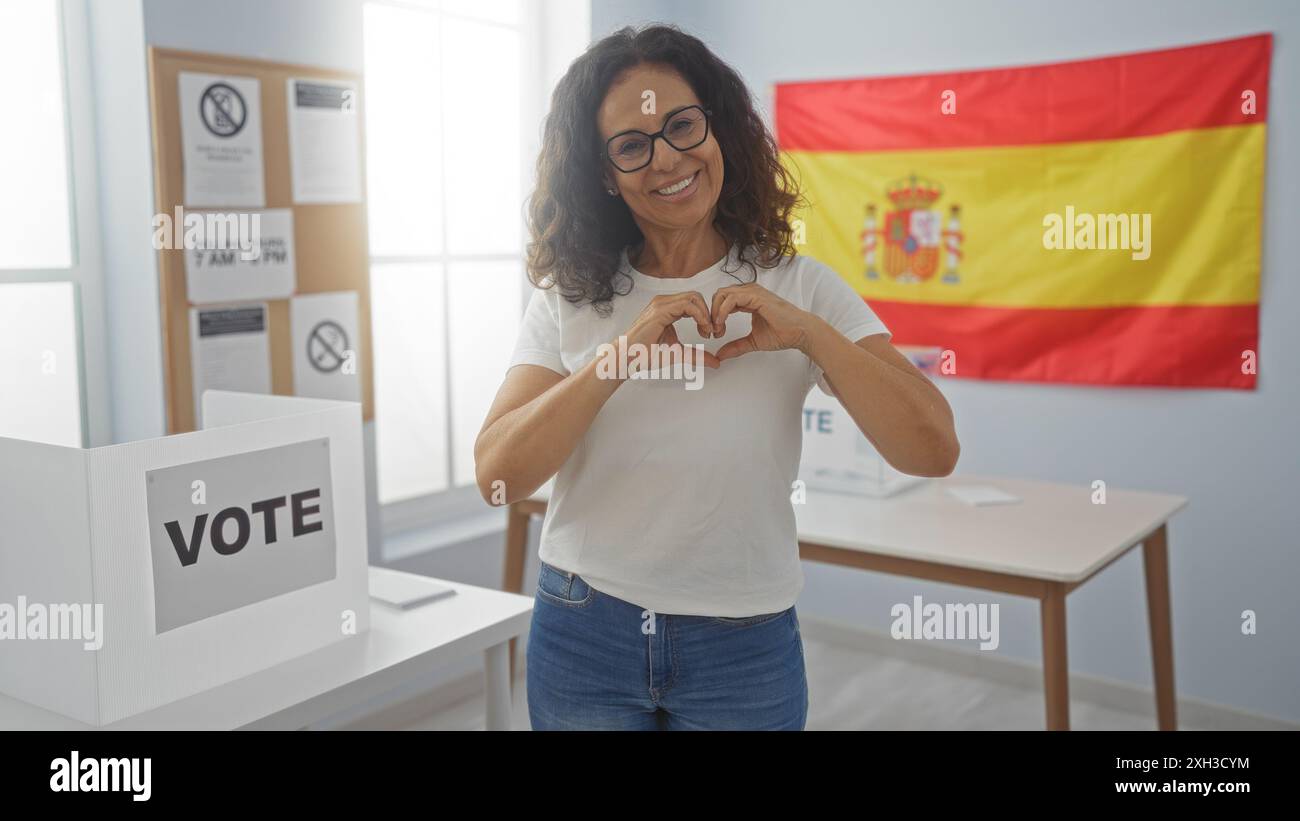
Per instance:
{"type": "Point", "coordinates": [670, 564]}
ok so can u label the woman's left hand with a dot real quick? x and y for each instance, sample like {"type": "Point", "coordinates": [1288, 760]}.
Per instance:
{"type": "Point", "coordinates": [777, 325]}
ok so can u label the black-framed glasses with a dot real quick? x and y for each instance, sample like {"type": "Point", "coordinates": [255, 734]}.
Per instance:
{"type": "Point", "coordinates": [683, 129]}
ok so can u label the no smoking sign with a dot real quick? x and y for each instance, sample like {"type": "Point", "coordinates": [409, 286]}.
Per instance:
{"type": "Point", "coordinates": [327, 346]}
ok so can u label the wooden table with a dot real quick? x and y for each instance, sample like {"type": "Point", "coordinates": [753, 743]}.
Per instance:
{"type": "Point", "coordinates": [400, 645]}
{"type": "Point", "coordinates": [1044, 547]}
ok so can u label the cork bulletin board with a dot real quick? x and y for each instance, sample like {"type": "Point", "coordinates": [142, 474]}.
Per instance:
{"type": "Point", "coordinates": [330, 240]}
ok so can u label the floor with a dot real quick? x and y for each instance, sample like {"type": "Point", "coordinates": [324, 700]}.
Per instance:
{"type": "Point", "coordinates": [855, 690]}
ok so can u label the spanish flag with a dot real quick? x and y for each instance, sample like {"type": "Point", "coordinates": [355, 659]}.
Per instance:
{"type": "Point", "coordinates": [1095, 221]}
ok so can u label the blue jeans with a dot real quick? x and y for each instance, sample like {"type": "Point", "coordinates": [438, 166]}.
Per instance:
{"type": "Point", "coordinates": [597, 662]}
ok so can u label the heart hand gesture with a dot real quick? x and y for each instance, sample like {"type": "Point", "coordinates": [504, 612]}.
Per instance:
{"type": "Point", "coordinates": [776, 324]}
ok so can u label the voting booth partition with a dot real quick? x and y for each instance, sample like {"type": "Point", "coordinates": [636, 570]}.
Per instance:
{"type": "Point", "coordinates": [137, 574]}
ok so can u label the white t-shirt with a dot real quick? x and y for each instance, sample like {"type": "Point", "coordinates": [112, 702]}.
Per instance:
{"type": "Point", "coordinates": [679, 500]}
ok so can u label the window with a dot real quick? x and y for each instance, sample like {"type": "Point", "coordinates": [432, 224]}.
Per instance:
{"type": "Point", "coordinates": [454, 95]}
{"type": "Point", "coordinates": [50, 303]}
{"type": "Point", "coordinates": [35, 223]}
{"type": "Point", "coordinates": [40, 377]}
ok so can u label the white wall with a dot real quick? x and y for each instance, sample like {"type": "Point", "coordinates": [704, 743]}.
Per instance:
{"type": "Point", "coordinates": [125, 175]}
{"type": "Point", "coordinates": [323, 33]}
{"type": "Point", "coordinates": [1234, 454]}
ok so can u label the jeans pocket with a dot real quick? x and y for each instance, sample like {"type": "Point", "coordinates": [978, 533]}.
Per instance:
{"type": "Point", "coordinates": [563, 588]}
{"type": "Point", "coordinates": [750, 621]}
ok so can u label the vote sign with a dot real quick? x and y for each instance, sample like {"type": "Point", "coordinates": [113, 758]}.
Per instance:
{"type": "Point", "coordinates": [228, 532]}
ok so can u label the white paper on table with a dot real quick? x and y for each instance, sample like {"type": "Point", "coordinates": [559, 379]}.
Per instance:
{"type": "Point", "coordinates": [405, 591]}
{"type": "Point", "coordinates": [981, 495]}
{"type": "Point", "coordinates": [324, 141]}
{"type": "Point", "coordinates": [223, 275]}
{"type": "Point", "coordinates": [221, 140]}
{"type": "Point", "coordinates": [326, 345]}
{"type": "Point", "coordinates": [229, 350]}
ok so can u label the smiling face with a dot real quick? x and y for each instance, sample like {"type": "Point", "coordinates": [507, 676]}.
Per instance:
{"type": "Point", "coordinates": [655, 194]}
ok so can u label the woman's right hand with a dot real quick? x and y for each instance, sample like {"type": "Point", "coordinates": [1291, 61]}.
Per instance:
{"type": "Point", "coordinates": [655, 324]}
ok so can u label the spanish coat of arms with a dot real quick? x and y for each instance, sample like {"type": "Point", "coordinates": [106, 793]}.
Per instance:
{"type": "Point", "coordinates": [913, 234]}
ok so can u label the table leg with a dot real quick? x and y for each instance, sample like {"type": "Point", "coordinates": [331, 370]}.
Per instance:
{"type": "Point", "coordinates": [1056, 672]}
{"type": "Point", "coordinates": [516, 546]}
{"type": "Point", "coordinates": [496, 669]}
{"type": "Point", "coordinates": [1155, 562]}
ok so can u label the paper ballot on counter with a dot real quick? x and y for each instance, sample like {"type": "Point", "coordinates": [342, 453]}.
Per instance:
{"type": "Point", "coordinates": [324, 141]}
{"type": "Point", "coordinates": [221, 140]}
{"type": "Point", "coordinates": [976, 495]}
{"type": "Point", "coordinates": [326, 346]}
{"type": "Point", "coordinates": [229, 350]}
{"type": "Point", "coordinates": [403, 590]}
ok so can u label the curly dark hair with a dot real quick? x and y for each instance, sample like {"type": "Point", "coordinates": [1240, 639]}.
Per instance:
{"type": "Point", "coordinates": [578, 232]}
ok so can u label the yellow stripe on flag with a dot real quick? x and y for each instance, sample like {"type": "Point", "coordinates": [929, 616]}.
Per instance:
{"type": "Point", "coordinates": [1201, 188]}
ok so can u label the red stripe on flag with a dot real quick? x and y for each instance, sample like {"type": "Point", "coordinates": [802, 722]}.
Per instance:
{"type": "Point", "coordinates": [1133, 95]}
{"type": "Point", "coordinates": [1175, 346]}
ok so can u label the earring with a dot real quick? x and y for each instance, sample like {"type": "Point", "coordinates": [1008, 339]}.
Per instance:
{"type": "Point", "coordinates": [613, 192]}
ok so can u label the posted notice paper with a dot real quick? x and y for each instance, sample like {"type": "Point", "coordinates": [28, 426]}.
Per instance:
{"type": "Point", "coordinates": [326, 346]}
{"type": "Point", "coordinates": [224, 275]}
{"type": "Point", "coordinates": [229, 350]}
{"type": "Point", "coordinates": [324, 141]}
{"type": "Point", "coordinates": [221, 140]}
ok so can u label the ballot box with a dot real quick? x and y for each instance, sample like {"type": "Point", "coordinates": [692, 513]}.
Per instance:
{"type": "Point", "coordinates": [838, 458]}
